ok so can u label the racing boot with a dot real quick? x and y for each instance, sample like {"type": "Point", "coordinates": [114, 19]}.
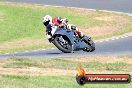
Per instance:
{"type": "Point", "coordinates": [85, 39]}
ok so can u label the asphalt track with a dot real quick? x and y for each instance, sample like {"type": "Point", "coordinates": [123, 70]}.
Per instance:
{"type": "Point", "coordinates": [113, 5]}
{"type": "Point", "coordinates": [121, 46]}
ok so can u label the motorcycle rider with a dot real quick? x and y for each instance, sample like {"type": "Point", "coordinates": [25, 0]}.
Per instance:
{"type": "Point", "coordinates": [50, 22]}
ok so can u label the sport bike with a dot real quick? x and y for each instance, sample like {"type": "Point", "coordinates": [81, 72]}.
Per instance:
{"type": "Point", "coordinates": [67, 41]}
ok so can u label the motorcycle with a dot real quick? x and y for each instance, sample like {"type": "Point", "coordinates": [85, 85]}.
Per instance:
{"type": "Point", "coordinates": [67, 41]}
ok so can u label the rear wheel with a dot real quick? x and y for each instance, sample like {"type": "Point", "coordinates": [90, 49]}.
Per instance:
{"type": "Point", "coordinates": [63, 43]}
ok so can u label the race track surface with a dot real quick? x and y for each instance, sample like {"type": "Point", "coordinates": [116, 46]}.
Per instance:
{"type": "Point", "coordinates": [121, 46]}
{"type": "Point", "coordinates": [113, 5]}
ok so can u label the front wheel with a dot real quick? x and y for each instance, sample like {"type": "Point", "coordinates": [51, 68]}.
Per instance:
{"type": "Point", "coordinates": [63, 44]}
{"type": "Point", "coordinates": [91, 46]}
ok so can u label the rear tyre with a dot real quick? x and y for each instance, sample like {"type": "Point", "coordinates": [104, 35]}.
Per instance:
{"type": "Point", "coordinates": [63, 44]}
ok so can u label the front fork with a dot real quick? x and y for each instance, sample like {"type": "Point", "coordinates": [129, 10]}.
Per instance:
{"type": "Point", "coordinates": [72, 48]}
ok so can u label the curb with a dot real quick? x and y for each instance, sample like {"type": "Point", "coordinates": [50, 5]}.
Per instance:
{"type": "Point", "coordinates": [115, 38]}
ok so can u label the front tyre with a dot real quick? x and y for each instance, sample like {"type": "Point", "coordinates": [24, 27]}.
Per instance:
{"type": "Point", "coordinates": [63, 44]}
{"type": "Point", "coordinates": [91, 46]}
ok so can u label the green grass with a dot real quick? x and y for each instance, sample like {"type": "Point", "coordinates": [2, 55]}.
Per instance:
{"type": "Point", "coordinates": [30, 48]}
{"type": "Point", "coordinates": [67, 81]}
{"type": "Point", "coordinates": [21, 22]}
{"type": "Point", "coordinates": [10, 81]}
{"type": "Point", "coordinates": [62, 63]}
{"type": "Point", "coordinates": [127, 30]}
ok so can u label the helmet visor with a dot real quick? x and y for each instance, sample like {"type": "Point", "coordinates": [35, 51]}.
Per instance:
{"type": "Point", "coordinates": [46, 23]}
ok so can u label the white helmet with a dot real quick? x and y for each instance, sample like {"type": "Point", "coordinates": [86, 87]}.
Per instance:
{"type": "Point", "coordinates": [47, 20]}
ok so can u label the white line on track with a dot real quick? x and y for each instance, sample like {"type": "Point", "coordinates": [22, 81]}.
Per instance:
{"type": "Point", "coordinates": [117, 38]}
{"type": "Point", "coordinates": [7, 53]}
{"type": "Point", "coordinates": [17, 52]}
{"type": "Point", "coordinates": [43, 49]}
